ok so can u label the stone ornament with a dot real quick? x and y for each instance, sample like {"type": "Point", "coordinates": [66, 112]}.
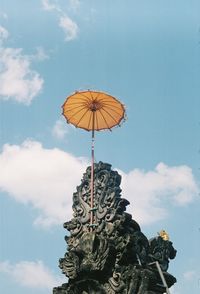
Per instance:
{"type": "Point", "coordinates": [114, 257]}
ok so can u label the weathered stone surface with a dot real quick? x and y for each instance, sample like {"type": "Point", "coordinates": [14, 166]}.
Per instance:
{"type": "Point", "coordinates": [114, 257]}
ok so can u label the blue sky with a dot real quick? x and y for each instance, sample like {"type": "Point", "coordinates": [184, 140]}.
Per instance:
{"type": "Point", "coordinates": [146, 53]}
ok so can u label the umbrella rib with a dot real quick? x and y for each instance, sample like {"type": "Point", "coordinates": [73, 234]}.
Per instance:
{"type": "Point", "coordinates": [109, 97]}
{"type": "Point", "coordinates": [104, 119]}
{"type": "Point", "coordinates": [91, 95]}
{"type": "Point", "coordinates": [111, 116]}
{"type": "Point", "coordinates": [74, 98]}
{"type": "Point", "coordinates": [110, 104]}
{"type": "Point", "coordinates": [82, 117]}
{"type": "Point", "coordinates": [76, 113]}
{"type": "Point", "coordinates": [98, 94]}
{"type": "Point", "coordinates": [84, 96]}
{"type": "Point", "coordinates": [74, 103]}
{"type": "Point", "coordinates": [119, 105]}
{"type": "Point", "coordinates": [73, 108]}
{"type": "Point", "coordinates": [113, 110]}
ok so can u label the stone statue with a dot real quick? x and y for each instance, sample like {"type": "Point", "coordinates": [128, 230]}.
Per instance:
{"type": "Point", "coordinates": [113, 256]}
{"type": "Point", "coordinates": [161, 250]}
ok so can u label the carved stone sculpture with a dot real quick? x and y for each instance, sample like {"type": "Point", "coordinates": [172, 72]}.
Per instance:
{"type": "Point", "coordinates": [113, 256]}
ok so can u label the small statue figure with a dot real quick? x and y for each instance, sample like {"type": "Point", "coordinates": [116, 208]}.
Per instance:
{"type": "Point", "coordinates": [161, 250]}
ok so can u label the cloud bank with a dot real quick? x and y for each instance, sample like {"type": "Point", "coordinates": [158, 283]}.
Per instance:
{"type": "Point", "coordinates": [47, 178]}
{"type": "Point", "coordinates": [150, 192]}
{"type": "Point", "coordinates": [31, 274]}
{"type": "Point", "coordinates": [44, 178]}
{"type": "Point", "coordinates": [18, 81]}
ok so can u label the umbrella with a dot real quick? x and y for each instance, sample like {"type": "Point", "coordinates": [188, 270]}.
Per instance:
{"type": "Point", "coordinates": [93, 111]}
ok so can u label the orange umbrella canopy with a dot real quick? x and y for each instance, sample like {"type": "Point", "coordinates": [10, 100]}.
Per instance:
{"type": "Point", "coordinates": [93, 110]}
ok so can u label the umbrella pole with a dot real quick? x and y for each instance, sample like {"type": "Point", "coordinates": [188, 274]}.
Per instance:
{"type": "Point", "coordinates": [92, 178]}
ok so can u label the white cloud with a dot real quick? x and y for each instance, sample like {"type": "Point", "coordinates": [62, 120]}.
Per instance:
{"type": "Point", "coordinates": [44, 178]}
{"type": "Point", "coordinates": [69, 27]}
{"type": "Point", "coordinates": [47, 5]}
{"type": "Point", "coordinates": [53, 5]}
{"type": "Point", "coordinates": [31, 274]}
{"type": "Point", "coordinates": [60, 129]}
{"type": "Point", "coordinates": [17, 80]}
{"type": "Point", "coordinates": [150, 191]}
{"type": "Point", "coordinates": [40, 54]}
{"type": "Point", "coordinates": [47, 178]}
{"type": "Point", "coordinates": [3, 33]}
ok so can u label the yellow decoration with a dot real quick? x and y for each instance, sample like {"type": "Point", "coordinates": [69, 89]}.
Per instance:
{"type": "Point", "coordinates": [164, 235]}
